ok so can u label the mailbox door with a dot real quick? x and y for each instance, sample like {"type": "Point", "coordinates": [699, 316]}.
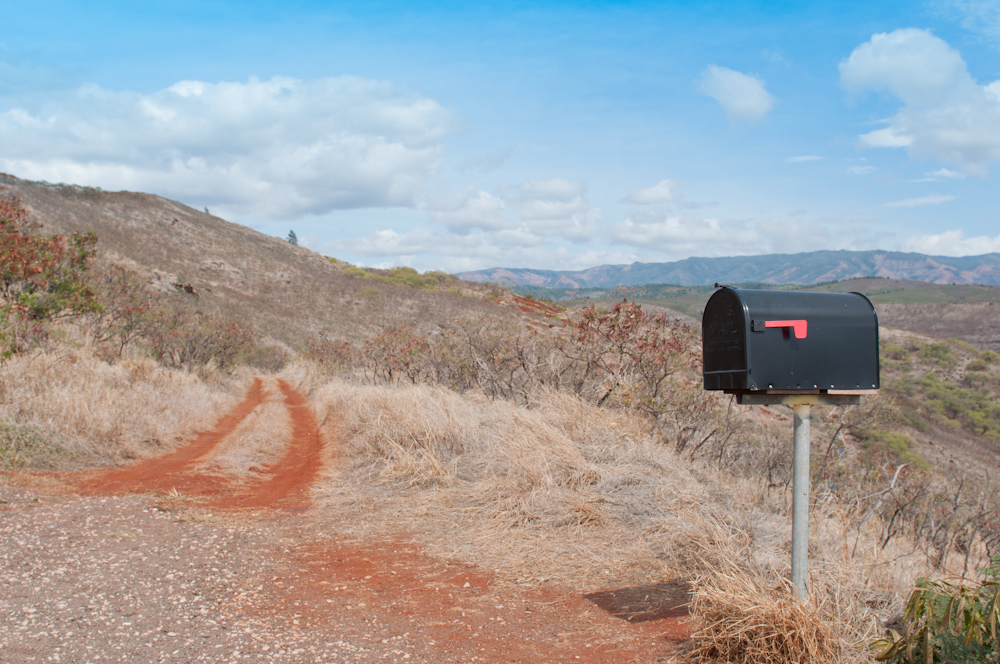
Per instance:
{"type": "Point", "coordinates": [724, 342]}
{"type": "Point", "coordinates": [805, 341]}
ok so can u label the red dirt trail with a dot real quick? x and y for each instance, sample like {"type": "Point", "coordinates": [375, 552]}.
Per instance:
{"type": "Point", "coordinates": [295, 472]}
{"type": "Point", "coordinates": [167, 472]}
{"type": "Point", "coordinates": [462, 613]}
{"type": "Point", "coordinates": [286, 483]}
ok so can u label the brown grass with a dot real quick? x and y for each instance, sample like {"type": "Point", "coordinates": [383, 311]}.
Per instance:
{"type": "Point", "coordinates": [258, 441]}
{"type": "Point", "coordinates": [81, 411]}
{"type": "Point", "coordinates": [746, 618]}
{"type": "Point", "coordinates": [561, 491]}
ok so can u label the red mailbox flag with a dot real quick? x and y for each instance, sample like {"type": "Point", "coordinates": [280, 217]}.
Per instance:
{"type": "Point", "coordinates": [799, 326]}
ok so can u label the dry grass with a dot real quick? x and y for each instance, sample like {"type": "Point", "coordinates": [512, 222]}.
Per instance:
{"type": "Point", "coordinates": [746, 618]}
{"type": "Point", "coordinates": [566, 492]}
{"type": "Point", "coordinates": [77, 410]}
{"type": "Point", "coordinates": [559, 491]}
{"type": "Point", "coordinates": [258, 441]}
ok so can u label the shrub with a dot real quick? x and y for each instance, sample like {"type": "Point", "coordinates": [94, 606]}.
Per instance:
{"type": "Point", "coordinates": [892, 444]}
{"type": "Point", "coordinates": [895, 352]}
{"type": "Point", "coordinates": [333, 356]}
{"type": "Point", "coordinates": [988, 356]}
{"type": "Point", "coordinates": [976, 365]}
{"type": "Point", "coordinates": [181, 337]}
{"type": "Point", "coordinates": [125, 307]}
{"type": "Point", "coordinates": [41, 277]}
{"type": "Point", "coordinates": [939, 353]}
{"type": "Point", "coordinates": [947, 622]}
{"type": "Point", "coordinates": [393, 354]}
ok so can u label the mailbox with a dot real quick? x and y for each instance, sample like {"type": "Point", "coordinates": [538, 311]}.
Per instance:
{"type": "Point", "coordinates": [789, 342]}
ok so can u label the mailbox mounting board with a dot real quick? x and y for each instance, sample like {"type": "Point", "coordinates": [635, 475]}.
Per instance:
{"type": "Point", "coordinates": [789, 342]}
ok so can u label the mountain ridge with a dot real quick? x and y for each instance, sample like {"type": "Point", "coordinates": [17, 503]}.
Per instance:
{"type": "Point", "coordinates": [801, 269]}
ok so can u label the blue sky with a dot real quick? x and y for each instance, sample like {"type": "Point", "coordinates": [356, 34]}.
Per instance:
{"type": "Point", "coordinates": [459, 136]}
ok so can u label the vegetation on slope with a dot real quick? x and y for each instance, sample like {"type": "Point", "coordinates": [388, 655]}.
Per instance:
{"type": "Point", "coordinates": [576, 446]}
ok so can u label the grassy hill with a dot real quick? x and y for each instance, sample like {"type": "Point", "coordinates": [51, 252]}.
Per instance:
{"type": "Point", "coordinates": [547, 442]}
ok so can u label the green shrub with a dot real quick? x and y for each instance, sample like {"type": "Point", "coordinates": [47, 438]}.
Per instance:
{"type": "Point", "coordinates": [939, 353]}
{"type": "Point", "coordinates": [895, 352]}
{"type": "Point", "coordinates": [947, 622]}
{"type": "Point", "coordinates": [988, 356]}
{"type": "Point", "coordinates": [976, 365]}
{"type": "Point", "coordinates": [369, 293]}
{"type": "Point", "coordinates": [964, 345]}
{"type": "Point", "coordinates": [359, 272]}
{"type": "Point", "coordinates": [892, 444]}
{"type": "Point", "coordinates": [977, 409]}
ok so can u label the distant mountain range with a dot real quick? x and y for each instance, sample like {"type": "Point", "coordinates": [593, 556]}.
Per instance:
{"type": "Point", "coordinates": [805, 268]}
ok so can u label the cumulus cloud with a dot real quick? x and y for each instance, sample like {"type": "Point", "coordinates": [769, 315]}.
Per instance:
{"type": "Point", "coordinates": [683, 235]}
{"type": "Point", "coordinates": [920, 202]}
{"type": "Point", "coordinates": [280, 148]}
{"type": "Point", "coordinates": [428, 249]}
{"type": "Point", "coordinates": [462, 211]}
{"type": "Point", "coordinates": [952, 243]}
{"type": "Point", "coordinates": [661, 192]}
{"type": "Point", "coordinates": [557, 207]}
{"type": "Point", "coordinates": [742, 96]}
{"type": "Point", "coordinates": [945, 114]}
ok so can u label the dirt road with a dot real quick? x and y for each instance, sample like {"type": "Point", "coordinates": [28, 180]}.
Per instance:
{"type": "Point", "coordinates": [163, 561]}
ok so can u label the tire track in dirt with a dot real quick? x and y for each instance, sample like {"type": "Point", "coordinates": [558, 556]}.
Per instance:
{"type": "Point", "coordinates": [167, 472]}
{"type": "Point", "coordinates": [286, 483]}
{"type": "Point", "coordinates": [293, 474]}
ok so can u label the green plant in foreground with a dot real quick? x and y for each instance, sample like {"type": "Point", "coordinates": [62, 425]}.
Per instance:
{"type": "Point", "coordinates": [947, 623]}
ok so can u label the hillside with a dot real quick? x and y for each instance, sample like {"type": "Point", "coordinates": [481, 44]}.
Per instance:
{"type": "Point", "coordinates": [289, 293]}
{"type": "Point", "coordinates": [570, 450]}
{"type": "Point", "coordinates": [805, 268]}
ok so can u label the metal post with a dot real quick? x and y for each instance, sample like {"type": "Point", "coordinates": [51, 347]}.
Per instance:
{"type": "Point", "coordinates": [800, 500]}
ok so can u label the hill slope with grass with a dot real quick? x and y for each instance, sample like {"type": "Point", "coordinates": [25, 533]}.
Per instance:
{"type": "Point", "coordinates": [552, 445]}
{"type": "Point", "coordinates": [288, 293]}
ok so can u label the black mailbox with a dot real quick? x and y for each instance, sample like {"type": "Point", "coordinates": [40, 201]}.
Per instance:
{"type": "Point", "coordinates": [789, 342]}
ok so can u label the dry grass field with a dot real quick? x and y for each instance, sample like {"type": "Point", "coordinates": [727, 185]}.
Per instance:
{"type": "Point", "coordinates": [569, 449]}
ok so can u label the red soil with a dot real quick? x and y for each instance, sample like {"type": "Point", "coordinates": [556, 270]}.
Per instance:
{"type": "Point", "coordinates": [169, 471]}
{"type": "Point", "coordinates": [461, 613]}
{"type": "Point", "coordinates": [292, 477]}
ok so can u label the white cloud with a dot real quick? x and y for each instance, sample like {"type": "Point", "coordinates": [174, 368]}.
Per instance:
{"type": "Point", "coordinates": [945, 114]}
{"type": "Point", "coordinates": [980, 16]}
{"type": "Point", "coordinates": [952, 243]}
{"type": "Point", "coordinates": [426, 249]}
{"type": "Point", "coordinates": [919, 202]}
{"type": "Point", "coordinates": [743, 97]}
{"type": "Point", "coordinates": [861, 170]}
{"type": "Point", "coordinates": [888, 137]}
{"type": "Point", "coordinates": [946, 173]}
{"type": "Point", "coordinates": [557, 207]}
{"type": "Point", "coordinates": [683, 235]}
{"type": "Point", "coordinates": [280, 148]}
{"type": "Point", "coordinates": [803, 158]}
{"type": "Point", "coordinates": [661, 192]}
{"type": "Point", "coordinates": [471, 208]}
{"type": "Point", "coordinates": [670, 237]}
